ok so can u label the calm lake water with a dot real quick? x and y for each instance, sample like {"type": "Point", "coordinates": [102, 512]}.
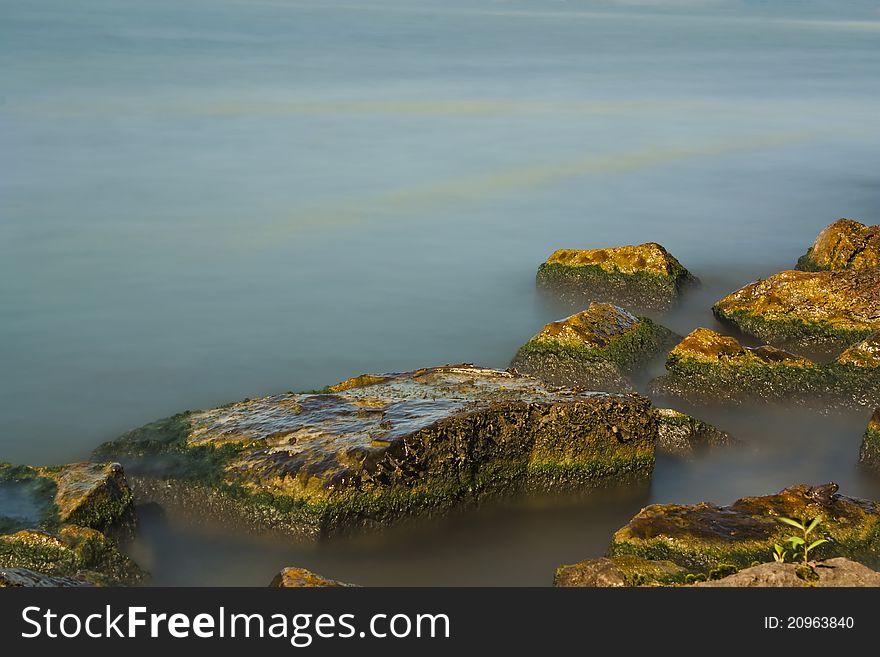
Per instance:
{"type": "Point", "coordinates": [208, 200]}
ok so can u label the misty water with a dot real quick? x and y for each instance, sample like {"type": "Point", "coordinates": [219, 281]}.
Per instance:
{"type": "Point", "coordinates": [208, 200]}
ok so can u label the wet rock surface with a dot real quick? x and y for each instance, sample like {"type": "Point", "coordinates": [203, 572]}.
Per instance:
{"type": "Point", "coordinates": [299, 578]}
{"type": "Point", "coordinates": [826, 307]}
{"type": "Point", "coordinates": [386, 447]}
{"type": "Point", "coordinates": [680, 434]}
{"type": "Point", "coordinates": [703, 536]}
{"type": "Point", "coordinates": [869, 454]}
{"type": "Point", "coordinates": [643, 277]}
{"type": "Point", "coordinates": [596, 348]}
{"type": "Point", "coordinates": [623, 570]}
{"type": "Point", "coordinates": [23, 577]}
{"type": "Point", "coordinates": [708, 366]}
{"type": "Point", "coordinates": [838, 572]}
{"type": "Point", "coordinates": [845, 244]}
{"type": "Point", "coordinates": [53, 521]}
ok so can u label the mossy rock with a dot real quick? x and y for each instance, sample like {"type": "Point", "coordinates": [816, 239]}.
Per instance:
{"type": "Point", "coordinates": [869, 454]}
{"type": "Point", "coordinates": [831, 573]}
{"type": "Point", "coordinates": [680, 434]}
{"type": "Point", "coordinates": [300, 578]}
{"type": "Point", "coordinates": [26, 578]}
{"type": "Point", "coordinates": [384, 448]}
{"type": "Point", "coordinates": [644, 277]}
{"type": "Point", "coordinates": [595, 349]}
{"type": "Point", "coordinates": [835, 308]}
{"type": "Point", "coordinates": [709, 366]}
{"type": "Point", "coordinates": [72, 551]}
{"type": "Point", "coordinates": [54, 521]}
{"type": "Point", "coordinates": [702, 537]}
{"type": "Point", "coordinates": [619, 571]}
{"type": "Point", "coordinates": [845, 244]}
{"type": "Point", "coordinates": [94, 495]}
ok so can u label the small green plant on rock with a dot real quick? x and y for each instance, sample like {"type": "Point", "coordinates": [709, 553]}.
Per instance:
{"type": "Point", "coordinates": [802, 542]}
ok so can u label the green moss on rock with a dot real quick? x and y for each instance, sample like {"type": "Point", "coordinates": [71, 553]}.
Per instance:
{"type": "Point", "coordinates": [619, 571]}
{"type": "Point", "coordinates": [680, 434]}
{"type": "Point", "coordinates": [596, 348]}
{"type": "Point", "coordinates": [702, 537]}
{"type": "Point", "coordinates": [645, 277]}
{"type": "Point", "coordinates": [826, 307]}
{"type": "Point", "coordinates": [416, 443]}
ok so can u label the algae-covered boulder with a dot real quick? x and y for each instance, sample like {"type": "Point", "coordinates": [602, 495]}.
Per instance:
{"type": "Point", "coordinates": [53, 520]}
{"type": "Point", "coordinates": [832, 573]}
{"type": "Point", "coordinates": [845, 244]}
{"type": "Point", "coordinates": [300, 578]}
{"type": "Point", "coordinates": [680, 434]}
{"type": "Point", "coordinates": [24, 577]}
{"type": "Point", "coordinates": [703, 536]}
{"type": "Point", "coordinates": [376, 448]}
{"type": "Point", "coordinates": [71, 551]}
{"type": "Point", "coordinates": [869, 455]}
{"type": "Point", "coordinates": [595, 348]}
{"type": "Point", "coordinates": [835, 308]}
{"type": "Point", "coordinates": [709, 366]}
{"type": "Point", "coordinates": [644, 277]}
{"type": "Point", "coordinates": [622, 570]}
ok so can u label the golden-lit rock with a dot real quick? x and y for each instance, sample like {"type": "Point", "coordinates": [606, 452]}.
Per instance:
{"type": "Point", "coordinates": [845, 244]}
{"type": "Point", "coordinates": [680, 434]}
{"type": "Point", "coordinates": [865, 354]}
{"type": "Point", "coordinates": [595, 349]}
{"type": "Point", "coordinates": [619, 571]}
{"type": "Point", "coordinates": [644, 277]}
{"type": "Point", "coordinates": [300, 578]}
{"type": "Point", "coordinates": [702, 537]}
{"type": "Point", "coordinates": [825, 307]}
{"type": "Point", "coordinates": [413, 443]}
{"type": "Point", "coordinates": [869, 455]}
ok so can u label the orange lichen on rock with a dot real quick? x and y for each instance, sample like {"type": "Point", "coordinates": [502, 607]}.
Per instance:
{"type": "Point", "coordinates": [845, 244]}
{"type": "Point", "coordinates": [649, 258]}
{"type": "Point", "coordinates": [300, 578]}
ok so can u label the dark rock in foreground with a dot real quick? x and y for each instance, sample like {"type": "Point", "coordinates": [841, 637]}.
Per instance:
{"type": "Point", "coordinates": [25, 578]}
{"type": "Point", "coordinates": [54, 521]}
{"type": "Point", "coordinates": [375, 449]}
{"type": "Point", "coordinates": [704, 536]}
{"type": "Point", "coordinates": [595, 349]}
{"type": "Point", "coordinates": [828, 307]}
{"type": "Point", "coordinates": [838, 572]}
{"type": "Point", "coordinates": [623, 570]}
{"type": "Point", "coordinates": [644, 277]}
{"type": "Point", "coordinates": [845, 244]}
{"type": "Point", "coordinates": [869, 455]}
{"type": "Point", "coordinates": [300, 578]}
{"type": "Point", "coordinates": [682, 435]}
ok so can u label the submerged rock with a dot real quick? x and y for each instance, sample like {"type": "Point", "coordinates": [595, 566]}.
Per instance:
{"type": "Point", "coordinates": [703, 536]}
{"type": "Point", "coordinates": [416, 443]}
{"type": "Point", "coordinates": [53, 520]}
{"type": "Point", "coordinates": [680, 434]}
{"type": "Point", "coordinates": [845, 244]}
{"type": "Point", "coordinates": [644, 277]}
{"type": "Point", "coordinates": [869, 455]}
{"type": "Point", "coordinates": [826, 307]}
{"type": "Point", "coordinates": [709, 366]}
{"type": "Point", "coordinates": [618, 571]}
{"type": "Point", "coordinates": [838, 572]}
{"type": "Point", "coordinates": [23, 577]}
{"type": "Point", "coordinates": [300, 578]}
{"type": "Point", "coordinates": [594, 349]}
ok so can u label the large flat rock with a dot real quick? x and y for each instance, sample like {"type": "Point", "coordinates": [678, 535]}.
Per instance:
{"type": "Point", "coordinates": [377, 448]}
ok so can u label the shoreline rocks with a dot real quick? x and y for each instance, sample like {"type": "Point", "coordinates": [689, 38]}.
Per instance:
{"type": "Point", "coordinates": [709, 366]}
{"type": "Point", "coordinates": [837, 572]}
{"type": "Point", "coordinates": [703, 536]}
{"type": "Point", "coordinates": [845, 244]}
{"type": "Point", "coordinates": [618, 571]}
{"type": "Point", "coordinates": [682, 435]}
{"type": "Point", "coordinates": [644, 277]}
{"type": "Point", "coordinates": [384, 448]}
{"type": "Point", "coordinates": [300, 578]}
{"type": "Point", "coordinates": [596, 348]}
{"type": "Point", "coordinates": [57, 521]}
{"type": "Point", "coordinates": [834, 308]}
